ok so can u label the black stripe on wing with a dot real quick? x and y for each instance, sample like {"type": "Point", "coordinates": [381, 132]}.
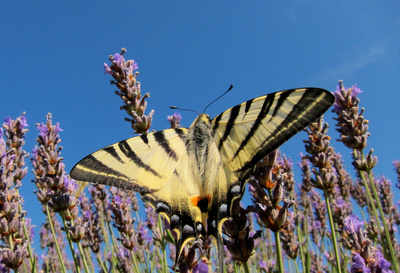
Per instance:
{"type": "Point", "coordinates": [299, 117]}
{"type": "Point", "coordinates": [129, 153]}
{"type": "Point", "coordinates": [111, 150]}
{"type": "Point", "coordinates": [92, 170]}
{"type": "Point", "coordinates": [162, 141]}
{"type": "Point", "coordinates": [247, 108]}
{"type": "Point", "coordinates": [264, 111]}
{"type": "Point", "coordinates": [234, 113]}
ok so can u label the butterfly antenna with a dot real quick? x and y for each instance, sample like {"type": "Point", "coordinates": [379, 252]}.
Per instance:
{"type": "Point", "coordinates": [177, 108]}
{"type": "Point", "coordinates": [229, 89]}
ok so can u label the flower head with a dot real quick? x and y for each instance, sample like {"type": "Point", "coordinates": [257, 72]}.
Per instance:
{"type": "Point", "coordinates": [175, 120]}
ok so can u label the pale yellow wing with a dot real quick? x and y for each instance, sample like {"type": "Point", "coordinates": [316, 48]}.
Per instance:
{"type": "Point", "coordinates": [249, 131]}
{"type": "Point", "coordinates": [155, 165]}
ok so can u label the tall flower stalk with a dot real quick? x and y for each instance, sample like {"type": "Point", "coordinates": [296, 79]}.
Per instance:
{"type": "Point", "coordinates": [268, 194]}
{"type": "Point", "coordinates": [13, 223]}
{"type": "Point", "coordinates": [353, 129]}
{"type": "Point", "coordinates": [321, 155]}
{"type": "Point", "coordinates": [130, 92]}
{"type": "Point", "coordinates": [56, 191]}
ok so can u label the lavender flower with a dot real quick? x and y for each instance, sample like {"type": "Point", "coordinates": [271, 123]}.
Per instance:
{"type": "Point", "coordinates": [93, 233]}
{"type": "Point", "coordinates": [241, 242]}
{"type": "Point", "coordinates": [13, 258]}
{"type": "Point", "coordinates": [396, 164]}
{"type": "Point", "coordinates": [201, 267]}
{"type": "Point", "coordinates": [320, 156]}
{"type": "Point", "coordinates": [358, 264]}
{"type": "Point", "coordinates": [124, 260]}
{"type": "Point", "coordinates": [365, 255]}
{"type": "Point", "coordinates": [385, 194]}
{"type": "Point", "coordinates": [175, 120]}
{"type": "Point", "coordinates": [351, 125]}
{"type": "Point", "coordinates": [14, 132]}
{"type": "Point", "coordinates": [121, 213]}
{"type": "Point", "coordinates": [289, 239]}
{"type": "Point", "coordinates": [51, 260]}
{"type": "Point", "coordinates": [129, 91]}
{"type": "Point", "coordinates": [13, 228]}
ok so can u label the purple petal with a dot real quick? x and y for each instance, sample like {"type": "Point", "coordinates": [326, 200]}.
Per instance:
{"type": "Point", "coordinates": [107, 69]}
{"type": "Point", "coordinates": [57, 128]}
{"type": "Point", "coordinates": [118, 59]}
{"type": "Point", "coordinates": [43, 130]}
{"type": "Point", "coordinates": [355, 90]}
{"type": "Point", "coordinates": [358, 264]}
{"type": "Point", "coordinates": [23, 122]}
{"type": "Point", "coordinates": [200, 268]}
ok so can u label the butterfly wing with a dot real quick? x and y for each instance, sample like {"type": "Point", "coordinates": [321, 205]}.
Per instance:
{"type": "Point", "coordinates": [155, 165]}
{"type": "Point", "coordinates": [249, 131]}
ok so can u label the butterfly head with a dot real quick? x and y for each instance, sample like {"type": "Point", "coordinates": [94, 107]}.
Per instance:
{"type": "Point", "coordinates": [201, 127]}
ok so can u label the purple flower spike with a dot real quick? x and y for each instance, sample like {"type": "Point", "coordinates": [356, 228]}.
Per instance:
{"type": "Point", "coordinates": [358, 264]}
{"type": "Point", "coordinates": [200, 268]}
{"type": "Point", "coordinates": [43, 130]}
{"type": "Point", "coordinates": [125, 79]}
{"type": "Point", "coordinates": [352, 224]}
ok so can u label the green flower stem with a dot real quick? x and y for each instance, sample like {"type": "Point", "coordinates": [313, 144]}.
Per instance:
{"type": "Point", "coordinates": [83, 256]}
{"type": "Point", "coordinates": [100, 262]}
{"type": "Point", "coordinates": [163, 244]}
{"type": "Point", "coordinates": [307, 246]}
{"type": "Point", "coordinates": [10, 241]}
{"type": "Point", "coordinates": [246, 267]}
{"type": "Point", "coordinates": [135, 261]}
{"type": "Point", "coordinates": [26, 234]}
{"type": "Point", "coordinates": [389, 244]}
{"type": "Point", "coordinates": [114, 248]}
{"type": "Point", "coordinates": [295, 266]}
{"type": "Point", "coordinates": [370, 201]}
{"type": "Point", "coordinates": [71, 247]}
{"type": "Point", "coordinates": [55, 239]}
{"type": "Point", "coordinates": [279, 252]}
{"type": "Point", "coordinates": [88, 258]}
{"type": "Point", "coordinates": [85, 265]}
{"type": "Point", "coordinates": [300, 235]}
{"type": "Point", "coordinates": [105, 234]}
{"type": "Point", "coordinates": [335, 247]}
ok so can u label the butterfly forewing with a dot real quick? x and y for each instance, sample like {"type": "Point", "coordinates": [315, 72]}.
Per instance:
{"type": "Point", "coordinates": [249, 131]}
{"type": "Point", "coordinates": [143, 163]}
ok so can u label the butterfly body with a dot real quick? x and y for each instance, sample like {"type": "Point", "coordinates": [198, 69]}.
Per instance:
{"type": "Point", "coordinates": [193, 175]}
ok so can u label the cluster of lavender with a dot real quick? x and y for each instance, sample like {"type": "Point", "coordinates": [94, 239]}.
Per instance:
{"type": "Point", "coordinates": [15, 227]}
{"type": "Point", "coordinates": [309, 227]}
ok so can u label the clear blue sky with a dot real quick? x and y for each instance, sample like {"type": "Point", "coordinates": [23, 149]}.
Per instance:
{"type": "Point", "coordinates": [189, 52]}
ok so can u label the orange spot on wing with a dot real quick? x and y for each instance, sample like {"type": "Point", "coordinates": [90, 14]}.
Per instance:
{"type": "Point", "coordinates": [195, 200]}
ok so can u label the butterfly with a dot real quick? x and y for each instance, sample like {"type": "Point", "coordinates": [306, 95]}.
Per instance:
{"type": "Point", "coordinates": [193, 175]}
